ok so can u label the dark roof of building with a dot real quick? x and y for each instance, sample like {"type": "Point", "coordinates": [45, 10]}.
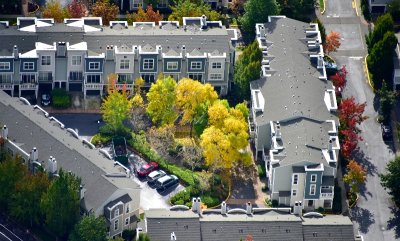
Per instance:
{"type": "Point", "coordinates": [124, 199]}
{"type": "Point", "coordinates": [294, 89]}
{"type": "Point", "coordinates": [328, 181]}
{"type": "Point", "coordinates": [29, 128]}
{"type": "Point", "coordinates": [298, 169]}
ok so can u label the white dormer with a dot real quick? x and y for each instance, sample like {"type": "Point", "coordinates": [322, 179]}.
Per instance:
{"type": "Point", "coordinates": [258, 101]}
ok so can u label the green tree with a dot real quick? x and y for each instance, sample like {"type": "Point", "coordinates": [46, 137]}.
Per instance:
{"type": "Point", "coordinates": [143, 237]}
{"type": "Point", "coordinates": [54, 9]}
{"type": "Point", "coordinates": [188, 8]}
{"type": "Point", "coordinates": [106, 10]}
{"type": "Point", "coordinates": [257, 11]}
{"type": "Point", "coordinates": [383, 25]}
{"type": "Point", "coordinates": [322, 30]}
{"type": "Point", "coordinates": [25, 206]}
{"type": "Point", "coordinates": [161, 101]}
{"type": "Point", "coordinates": [380, 59]}
{"type": "Point", "coordinates": [247, 69]}
{"type": "Point", "coordinates": [60, 204]}
{"type": "Point", "coordinates": [116, 106]}
{"type": "Point", "coordinates": [11, 172]}
{"type": "Point", "coordinates": [394, 9]}
{"type": "Point", "coordinates": [387, 101]}
{"type": "Point", "coordinates": [90, 228]}
{"type": "Point", "coordinates": [391, 179]}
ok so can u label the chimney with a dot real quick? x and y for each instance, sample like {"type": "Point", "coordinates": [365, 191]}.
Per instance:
{"type": "Point", "coordinates": [4, 132]}
{"type": "Point", "coordinates": [199, 205]}
{"type": "Point", "coordinates": [109, 52]}
{"type": "Point", "coordinates": [203, 21]}
{"type": "Point", "coordinates": [61, 49]}
{"type": "Point", "coordinates": [81, 192]}
{"type": "Point", "coordinates": [317, 43]}
{"type": "Point", "coordinates": [159, 49]}
{"type": "Point", "coordinates": [183, 51]}
{"type": "Point", "coordinates": [278, 132]}
{"type": "Point", "coordinates": [194, 205]}
{"type": "Point", "coordinates": [249, 208]}
{"type": "Point", "coordinates": [34, 154]}
{"type": "Point", "coordinates": [15, 52]}
{"type": "Point", "coordinates": [52, 165]}
{"type": "Point", "coordinates": [223, 208]}
{"type": "Point", "coordinates": [262, 32]}
{"type": "Point", "coordinates": [320, 62]}
{"type": "Point", "coordinates": [330, 145]}
{"type": "Point", "coordinates": [297, 209]}
{"type": "Point", "coordinates": [173, 236]}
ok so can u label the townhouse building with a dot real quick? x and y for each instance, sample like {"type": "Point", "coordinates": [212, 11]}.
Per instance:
{"type": "Point", "coordinates": [38, 55]}
{"type": "Point", "coordinates": [293, 121]}
{"type": "Point", "coordinates": [231, 224]}
{"type": "Point", "coordinates": [43, 141]}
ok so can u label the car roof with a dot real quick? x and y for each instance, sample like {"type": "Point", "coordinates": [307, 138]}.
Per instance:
{"type": "Point", "coordinates": [164, 178]}
{"type": "Point", "coordinates": [155, 173]}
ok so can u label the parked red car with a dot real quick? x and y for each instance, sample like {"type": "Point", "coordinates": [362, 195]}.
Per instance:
{"type": "Point", "coordinates": [144, 170]}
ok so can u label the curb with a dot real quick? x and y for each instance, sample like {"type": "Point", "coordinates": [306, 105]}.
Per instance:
{"type": "Point", "coordinates": [366, 68]}
{"type": "Point", "coordinates": [323, 10]}
{"type": "Point", "coordinates": [355, 202]}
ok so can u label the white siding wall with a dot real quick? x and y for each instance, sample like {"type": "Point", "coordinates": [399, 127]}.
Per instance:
{"type": "Point", "coordinates": [118, 58]}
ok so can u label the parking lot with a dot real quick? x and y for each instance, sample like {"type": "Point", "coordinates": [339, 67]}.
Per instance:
{"type": "Point", "coordinates": [86, 125]}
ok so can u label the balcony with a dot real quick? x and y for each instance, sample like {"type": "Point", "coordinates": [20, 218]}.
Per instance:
{"type": "Point", "coordinates": [93, 86]}
{"type": "Point", "coordinates": [28, 86]}
{"type": "Point", "coordinates": [327, 193]}
{"type": "Point", "coordinates": [6, 86]}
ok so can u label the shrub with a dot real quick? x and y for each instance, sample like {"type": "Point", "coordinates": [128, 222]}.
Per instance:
{"type": "Point", "coordinates": [181, 197]}
{"type": "Point", "coordinates": [210, 201]}
{"type": "Point", "coordinates": [275, 203]}
{"type": "Point", "coordinates": [107, 130]}
{"type": "Point", "coordinates": [100, 139]}
{"type": "Point", "coordinates": [265, 188]}
{"type": "Point", "coordinates": [129, 234]}
{"type": "Point", "coordinates": [337, 200]}
{"type": "Point", "coordinates": [61, 99]}
{"type": "Point", "coordinates": [321, 210]}
{"type": "Point", "coordinates": [261, 170]}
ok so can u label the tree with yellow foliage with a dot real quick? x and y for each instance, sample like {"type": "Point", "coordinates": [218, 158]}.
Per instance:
{"type": "Point", "coordinates": [117, 106]}
{"type": "Point", "coordinates": [54, 9]}
{"type": "Point", "coordinates": [161, 101]}
{"type": "Point", "coordinates": [225, 140]}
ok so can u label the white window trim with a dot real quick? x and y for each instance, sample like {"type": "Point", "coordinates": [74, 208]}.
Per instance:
{"type": "Point", "coordinates": [315, 189]}
{"type": "Point", "coordinates": [95, 64]}
{"type": "Point", "coordinates": [43, 57]}
{"type": "Point", "coordinates": [214, 74]}
{"type": "Point", "coordinates": [150, 61]}
{"type": "Point", "coordinates": [127, 208]}
{"type": "Point", "coordinates": [116, 223]}
{"type": "Point", "coordinates": [124, 60]}
{"type": "Point", "coordinates": [26, 64]}
{"type": "Point", "coordinates": [297, 179]}
{"type": "Point", "coordinates": [311, 178]}
{"type": "Point", "coordinates": [196, 62]}
{"type": "Point", "coordinates": [216, 64]}
{"type": "Point", "coordinates": [74, 60]}
{"type": "Point", "coordinates": [116, 212]}
{"type": "Point", "coordinates": [5, 66]}
{"type": "Point", "coordinates": [172, 62]}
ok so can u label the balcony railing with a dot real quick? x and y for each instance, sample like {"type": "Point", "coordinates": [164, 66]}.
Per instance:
{"type": "Point", "coordinates": [127, 86]}
{"type": "Point", "coordinates": [93, 86]}
{"type": "Point", "coordinates": [28, 86]}
{"type": "Point", "coordinates": [6, 86]}
{"type": "Point", "coordinates": [327, 193]}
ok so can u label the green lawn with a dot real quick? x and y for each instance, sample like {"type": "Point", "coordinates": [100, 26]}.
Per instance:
{"type": "Point", "coordinates": [321, 5]}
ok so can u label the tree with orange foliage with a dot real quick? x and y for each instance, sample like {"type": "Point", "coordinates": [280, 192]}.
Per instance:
{"type": "Point", "coordinates": [332, 42]}
{"type": "Point", "coordinates": [355, 176]}
{"type": "Point", "coordinates": [54, 9]}
{"type": "Point", "coordinates": [145, 16]}
{"type": "Point", "coordinates": [77, 9]}
{"type": "Point", "coordinates": [106, 10]}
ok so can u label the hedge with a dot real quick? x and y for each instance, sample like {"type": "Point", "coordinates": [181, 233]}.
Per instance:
{"type": "Point", "coordinates": [140, 144]}
{"type": "Point", "coordinates": [61, 98]}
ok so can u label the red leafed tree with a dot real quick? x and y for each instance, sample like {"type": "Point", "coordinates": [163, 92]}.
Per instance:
{"type": "Point", "coordinates": [339, 79]}
{"type": "Point", "coordinates": [349, 142]}
{"type": "Point", "coordinates": [249, 237]}
{"type": "Point", "coordinates": [145, 16]}
{"type": "Point", "coordinates": [332, 42]}
{"type": "Point", "coordinates": [351, 113]}
{"type": "Point", "coordinates": [77, 9]}
{"type": "Point", "coordinates": [152, 15]}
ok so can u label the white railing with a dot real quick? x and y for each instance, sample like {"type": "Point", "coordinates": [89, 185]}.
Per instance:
{"type": "Point", "coordinates": [328, 195]}
{"type": "Point", "coordinates": [6, 86]}
{"type": "Point", "coordinates": [28, 86]}
{"type": "Point", "coordinates": [127, 86]}
{"type": "Point", "coordinates": [93, 86]}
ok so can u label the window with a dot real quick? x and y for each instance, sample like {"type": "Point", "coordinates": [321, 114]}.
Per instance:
{"type": "Point", "coordinates": [76, 60]}
{"type": "Point", "coordinates": [312, 189]}
{"type": "Point", "coordinates": [148, 78]}
{"type": "Point", "coordinates": [195, 65]}
{"type": "Point", "coordinates": [4, 65]}
{"type": "Point", "coordinates": [29, 65]}
{"type": "Point", "coordinates": [45, 60]}
{"type": "Point", "coordinates": [294, 192]}
{"type": "Point", "coordinates": [148, 64]}
{"type": "Point", "coordinates": [240, 230]}
{"type": "Point", "coordinates": [295, 179]}
{"type": "Point", "coordinates": [45, 76]}
{"type": "Point", "coordinates": [215, 76]}
{"type": "Point", "coordinates": [116, 212]}
{"type": "Point", "coordinates": [75, 76]}
{"type": "Point", "coordinates": [126, 221]}
{"type": "Point", "coordinates": [116, 224]}
{"type": "Point", "coordinates": [28, 79]}
{"type": "Point", "coordinates": [93, 78]}
{"type": "Point", "coordinates": [174, 76]}
{"type": "Point", "coordinates": [127, 208]}
{"type": "Point", "coordinates": [124, 78]}
{"type": "Point", "coordinates": [124, 64]}
{"type": "Point", "coordinates": [94, 66]}
{"type": "Point", "coordinates": [172, 65]}
{"type": "Point", "coordinates": [216, 65]}
{"type": "Point", "coordinates": [313, 177]}
{"type": "Point", "coordinates": [5, 78]}
{"type": "Point", "coordinates": [196, 76]}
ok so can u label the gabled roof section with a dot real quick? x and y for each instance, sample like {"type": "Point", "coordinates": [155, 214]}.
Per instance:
{"type": "Point", "coordinates": [30, 54]}
{"type": "Point", "coordinates": [43, 46]}
{"type": "Point", "coordinates": [82, 46]}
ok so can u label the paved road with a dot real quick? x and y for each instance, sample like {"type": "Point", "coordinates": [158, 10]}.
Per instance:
{"type": "Point", "coordinates": [373, 216]}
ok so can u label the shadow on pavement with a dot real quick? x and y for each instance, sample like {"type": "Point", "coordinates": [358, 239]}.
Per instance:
{"type": "Point", "coordinates": [394, 222]}
{"type": "Point", "coordinates": [363, 160]}
{"type": "Point", "coordinates": [363, 217]}
{"type": "Point", "coordinates": [364, 193]}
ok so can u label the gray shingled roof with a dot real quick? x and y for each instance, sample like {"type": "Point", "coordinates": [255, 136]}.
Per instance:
{"type": "Point", "coordinates": [294, 89]}
{"type": "Point", "coordinates": [29, 128]}
{"type": "Point", "coordinates": [169, 38]}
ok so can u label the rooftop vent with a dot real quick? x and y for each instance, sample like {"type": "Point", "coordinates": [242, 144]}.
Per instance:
{"type": "Point", "coordinates": [34, 155]}
{"type": "Point", "coordinates": [262, 32]}
{"type": "Point", "coordinates": [52, 165]}
{"type": "Point", "coordinates": [278, 132]}
{"type": "Point", "coordinates": [4, 132]}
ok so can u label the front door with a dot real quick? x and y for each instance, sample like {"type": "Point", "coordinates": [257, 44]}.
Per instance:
{"type": "Point", "coordinates": [310, 203]}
